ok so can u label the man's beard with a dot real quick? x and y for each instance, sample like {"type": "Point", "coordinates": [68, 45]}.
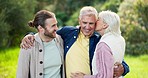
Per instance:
{"type": "Point", "coordinates": [50, 35]}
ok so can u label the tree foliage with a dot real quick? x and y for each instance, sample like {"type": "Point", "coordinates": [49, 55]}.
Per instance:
{"type": "Point", "coordinates": [135, 35]}
{"type": "Point", "coordinates": [112, 5]}
{"type": "Point", "coordinates": [141, 7]}
{"type": "Point", "coordinates": [14, 17]}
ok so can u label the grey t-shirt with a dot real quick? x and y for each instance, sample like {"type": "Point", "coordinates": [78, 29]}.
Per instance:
{"type": "Point", "coordinates": [52, 60]}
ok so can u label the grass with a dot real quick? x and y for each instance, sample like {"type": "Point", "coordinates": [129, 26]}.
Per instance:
{"type": "Point", "coordinates": [8, 62]}
{"type": "Point", "coordinates": [138, 66]}
{"type": "Point", "coordinates": [9, 58]}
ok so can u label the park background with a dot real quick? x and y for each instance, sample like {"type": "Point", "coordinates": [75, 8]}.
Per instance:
{"type": "Point", "coordinates": [15, 14]}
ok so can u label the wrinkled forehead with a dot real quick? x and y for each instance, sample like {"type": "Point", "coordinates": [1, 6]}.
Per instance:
{"type": "Point", "coordinates": [88, 13]}
{"type": "Point", "coordinates": [92, 16]}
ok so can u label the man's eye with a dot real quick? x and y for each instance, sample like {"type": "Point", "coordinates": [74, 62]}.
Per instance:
{"type": "Point", "coordinates": [53, 25]}
{"type": "Point", "coordinates": [84, 22]}
{"type": "Point", "coordinates": [91, 23]}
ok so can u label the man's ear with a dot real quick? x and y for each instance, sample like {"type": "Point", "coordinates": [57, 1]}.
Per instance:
{"type": "Point", "coordinates": [40, 28]}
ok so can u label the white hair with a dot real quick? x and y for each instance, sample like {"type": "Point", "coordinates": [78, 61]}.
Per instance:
{"type": "Point", "coordinates": [113, 21]}
{"type": "Point", "coordinates": [88, 10]}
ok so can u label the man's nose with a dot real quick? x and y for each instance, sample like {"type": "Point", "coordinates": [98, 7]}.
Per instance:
{"type": "Point", "coordinates": [87, 26]}
{"type": "Point", "coordinates": [56, 28]}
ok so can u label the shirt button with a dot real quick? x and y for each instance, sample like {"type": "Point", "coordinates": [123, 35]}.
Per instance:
{"type": "Point", "coordinates": [74, 37]}
{"type": "Point", "coordinates": [40, 50]}
{"type": "Point", "coordinates": [67, 46]}
{"type": "Point", "coordinates": [40, 74]}
{"type": "Point", "coordinates": [41, 62]}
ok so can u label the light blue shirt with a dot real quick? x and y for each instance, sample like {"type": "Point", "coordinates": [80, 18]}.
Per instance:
{"type": "Point", "coordinates": [52, 60]}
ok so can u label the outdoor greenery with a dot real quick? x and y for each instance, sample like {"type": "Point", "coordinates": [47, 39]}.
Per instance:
{"type": "Point", "coordinates": [8, 64]}
{"type": "Point", "coordinates": [15, 14]}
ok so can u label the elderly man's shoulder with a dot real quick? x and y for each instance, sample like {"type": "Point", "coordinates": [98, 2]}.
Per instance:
{"type": "Point", "coordinates": [70, 27]}
{"type": "Point", "coordinates": [67, 29]}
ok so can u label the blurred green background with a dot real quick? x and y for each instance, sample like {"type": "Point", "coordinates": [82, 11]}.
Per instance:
{"type": "Point", "coordinates": [15, 14]}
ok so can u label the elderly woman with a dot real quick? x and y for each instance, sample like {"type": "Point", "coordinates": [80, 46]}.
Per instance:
{"type": "Point", "coordinates": [109, 50]}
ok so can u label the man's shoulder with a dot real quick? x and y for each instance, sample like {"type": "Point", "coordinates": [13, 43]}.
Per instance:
{"type": "Point", "coordinates": [95, 34]}
{"type": "Point", "coordinates": [69, 28]}
{"type": "Point", "coordinates": [58, 36]}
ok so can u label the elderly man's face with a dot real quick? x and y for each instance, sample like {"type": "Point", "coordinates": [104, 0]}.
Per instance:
{"type": "Point", "coordinates": [87, 24]}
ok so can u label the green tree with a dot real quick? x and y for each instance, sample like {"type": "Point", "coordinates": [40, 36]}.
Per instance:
{"type": "Point", "coordinates": [135, 35]}
{"type": "Point", "coordinates": [112, 5]}
{"type": "Point", "coordinates": [14, 17]}
{"type": "Point", "coordinates": [64, 9]}
{"type": "Point", "coordinates": [5, 28]}
{"type": "Point", "coordinates": [142, 10]}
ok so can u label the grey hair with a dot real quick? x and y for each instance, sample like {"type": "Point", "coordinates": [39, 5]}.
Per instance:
{"type": "Point", "coordinates": [113, 21]}
{"type": "Point", "coordinates": [88, 10]}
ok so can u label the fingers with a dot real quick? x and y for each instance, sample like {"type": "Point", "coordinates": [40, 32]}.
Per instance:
{"type": "Point", "coordinates": [77, 75]}
{"type": "Point", "coordinates": [32, 39]}
{"type": "Point", "coordinates": [27, 41]}
{"type": "Point", "coordinates": [117, 64]}
{"type": "Point", "coordinates": [23, 46]}
{"type": "Point", "coordinates": [73, 75]}
{"type": "Point", "coordinates": [118, 69]}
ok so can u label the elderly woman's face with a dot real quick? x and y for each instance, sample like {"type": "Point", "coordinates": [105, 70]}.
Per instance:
{"type": "Point", "coordinates": [100, 24]}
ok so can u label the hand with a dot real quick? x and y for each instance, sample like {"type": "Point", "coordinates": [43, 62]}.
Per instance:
{"type": "Point", "coordinates": [27, 41]}
{"type": "Point", "coordinates": [118, 70]}
{"type": "Point", "coordinates": [77, 75]}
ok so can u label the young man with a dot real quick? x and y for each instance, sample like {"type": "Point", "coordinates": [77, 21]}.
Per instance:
{"type": "Point", "coordinates": [80, 43]}
{"type": "Point", "coordinates": [45, 58]}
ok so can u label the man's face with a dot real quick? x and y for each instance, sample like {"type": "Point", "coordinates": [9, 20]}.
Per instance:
{"type": "Point", "coordinates": [50, 27]}
{"type": "Point", "coordinates": [87, 24]}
